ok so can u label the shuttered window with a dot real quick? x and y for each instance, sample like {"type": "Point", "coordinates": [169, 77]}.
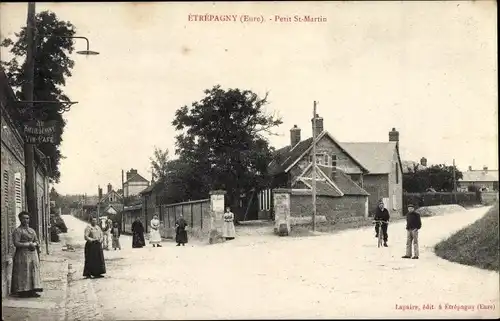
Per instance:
{"type": "Point", "coordinates": [18, 192]}
{"type": "Point", "coordinates": [6, 239]}
{"type": "Point", "coordinates": [5, 188]}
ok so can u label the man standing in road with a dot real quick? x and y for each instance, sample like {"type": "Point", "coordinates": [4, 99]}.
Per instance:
{"type": "Point", "coordinates": [413, 224]}
{"type": "Point", "coordinates": [382, 214]}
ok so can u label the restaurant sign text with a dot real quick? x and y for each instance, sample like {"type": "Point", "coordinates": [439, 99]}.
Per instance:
{"type": "Point", "coordinates": [38, 132]}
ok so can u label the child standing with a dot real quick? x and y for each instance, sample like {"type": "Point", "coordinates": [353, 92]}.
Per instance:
{"type": "Point", "coordinates": [413, 224]}
{"type": "Point", "coordinates": [115, 234]}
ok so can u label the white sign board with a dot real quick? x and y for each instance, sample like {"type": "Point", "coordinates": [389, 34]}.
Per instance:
{"type": "Point", "coordinates": [218, 203]}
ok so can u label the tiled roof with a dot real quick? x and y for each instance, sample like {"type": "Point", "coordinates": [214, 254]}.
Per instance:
{"type": "Point", "coordinates": [148, 189]}
{"type": "Point", "coordinates": [136, 178]}
{"type": "Point", "coordinates": [285, 156]}
{"type": "Point", "coordinates": [376, 157]}
{"type": "Point", "coordinates": [347, 185]}
{"type": "Point", "coordinates": [480, 176]}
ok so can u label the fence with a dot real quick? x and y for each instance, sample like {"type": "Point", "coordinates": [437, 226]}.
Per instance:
{"type": "Point", "coordinates": [440, 198]}
{"type": "Point", "coordinates": [196, 214]}
{"type": "Point", "coordinates": [129, 214]}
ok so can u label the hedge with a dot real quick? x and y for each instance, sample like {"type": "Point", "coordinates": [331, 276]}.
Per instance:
{"type": "Point", "coordinates": [441, 198]}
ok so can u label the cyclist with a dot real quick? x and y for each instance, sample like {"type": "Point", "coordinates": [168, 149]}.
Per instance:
{"type": "Point", "coordinates": [382, 214]}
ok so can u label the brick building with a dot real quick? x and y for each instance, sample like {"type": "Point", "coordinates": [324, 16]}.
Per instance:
{"type": "Point", "coordinates": [351, 177]}
{"type": "Point", "coordinates": [13, 181]}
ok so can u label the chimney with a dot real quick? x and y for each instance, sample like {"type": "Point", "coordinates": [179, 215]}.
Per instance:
{"type": "Point", "coordinates": [99, 193]}
{"type": "Point", "coordinates": [294, 136]}
{"type": "Point", "coordinates": [319, 125]}
{"type": "Point", "coordinates": [110, 188]}
{"type": "Point", "coordinates": [394, 135]}
{"type": "Point", "coordinates": [470, 168]}
{"type": "Point", "coordinates": [131, 173]}
{"type": "Point", "coordinates": [423, 161]}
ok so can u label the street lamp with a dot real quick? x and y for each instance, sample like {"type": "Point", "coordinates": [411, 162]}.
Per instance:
{"type": "Point", "coordinates": [87, 52]}
{"type": "Point", "coordinates": [29, 149]}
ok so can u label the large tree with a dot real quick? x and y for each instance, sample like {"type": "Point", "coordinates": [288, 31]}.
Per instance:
{"type": "Point", "coordinates": [438, 177]}
{"type": "Point", "coordinates": [159, 164]}
{"type": "Point", "coordinates": [223, 142]}
{"type": "Point", "coordinates": [52, 67]}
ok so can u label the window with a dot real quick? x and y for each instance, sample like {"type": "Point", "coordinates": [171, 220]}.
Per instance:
{"type": "Point", "coordinates": [321, 159]}
{"type": "Point", "coordinates": [5, 213]}
{"type": "Point", "coordinates": [6, 188]}
{"type": "Point", "coordinates": [397, 173]}
{"type": "Point", "coordinates": [265, 200]}
{"type": "Point", "coordinates": [18, 193]}
{"type": "Point", "coordinates": [334, 160]}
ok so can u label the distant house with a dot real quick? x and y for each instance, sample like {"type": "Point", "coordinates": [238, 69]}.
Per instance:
{"type": "Point", "coordinates": [411, 166]}
{"type": "Point", "coordinates": [109, 204]}
{"type": "Point", "coordinates": [134, 183]}
{"type": "Point", "coordinates": [351, 177]}
{"type": "Point", "coordinates": [484, 179]}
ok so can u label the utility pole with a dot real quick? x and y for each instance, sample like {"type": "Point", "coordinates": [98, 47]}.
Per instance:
{"type": "Point", "coordinates": [29, 149]}
{"type": "Point", "coordinates": [314, 170]}
{"type": "Point", "coordinates": [123, 201]}
{"type": "Point", "coordinates": [454, 184]}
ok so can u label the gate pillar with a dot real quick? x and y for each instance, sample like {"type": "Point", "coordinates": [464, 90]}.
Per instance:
{"type": "Point", "coordinates": [216, 216]}
{"type": "Point", "coordinates": [281, 199]}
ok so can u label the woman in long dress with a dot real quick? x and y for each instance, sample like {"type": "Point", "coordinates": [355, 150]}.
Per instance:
{"type": "Point", "coordinates": [138, 234]}
{"type": "Point", "coordinates": [94, 256]}
{"type": "Point", "coordinates": [180, 231]}
{"type": "Point", "coordinates": [155, 236]}
{"type": "Point", "coordinates": [26, 279]}
{"type": "Point", "coordinates": [228, 230]}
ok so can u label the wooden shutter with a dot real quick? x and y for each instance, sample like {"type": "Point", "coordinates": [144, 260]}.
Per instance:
{"type": "Point", "coordinates": [5, 189]}
{"type": "Point", "coordinates": [18, 193]}
{"type": "Point", "coordinates": [6, 237]}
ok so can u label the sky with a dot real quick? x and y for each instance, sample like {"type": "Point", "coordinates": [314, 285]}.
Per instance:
{"type": "Point", "coordinates": [426, 68]}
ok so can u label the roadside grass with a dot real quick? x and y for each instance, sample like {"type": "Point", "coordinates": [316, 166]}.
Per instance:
{"type": "Point", "coordinates": [475, 245]}
{"type": "Point", "coordinates": [334, 227]}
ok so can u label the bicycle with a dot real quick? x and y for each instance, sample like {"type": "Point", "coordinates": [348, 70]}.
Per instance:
{"type": "Point", "coordinates": [379, 232]}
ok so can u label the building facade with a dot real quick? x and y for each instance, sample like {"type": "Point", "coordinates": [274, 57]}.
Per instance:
{"type": "Point", "coordinates": [483, 179]}
{"type": "Point", "coordinates": [134, 183]}
{"type": "Point", "coordinates": [13, 180]}
{"type": "Point", "coordinates": [351, 177]}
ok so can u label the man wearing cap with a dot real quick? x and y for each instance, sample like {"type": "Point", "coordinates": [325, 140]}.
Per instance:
{"type": "Point", "coordinates": [413, 224]}
{"type": "Point", "coordinates": [382, 214]}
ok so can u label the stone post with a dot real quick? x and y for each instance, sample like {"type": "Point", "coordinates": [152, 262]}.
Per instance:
{"type": "Point", "coordinates": [282, 211]}
{"type": "Point", "coordinates": [216, 216]}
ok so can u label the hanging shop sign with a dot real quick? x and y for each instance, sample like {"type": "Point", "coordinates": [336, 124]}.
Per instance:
{"type": "Point", "coordinates": [38, 132]}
